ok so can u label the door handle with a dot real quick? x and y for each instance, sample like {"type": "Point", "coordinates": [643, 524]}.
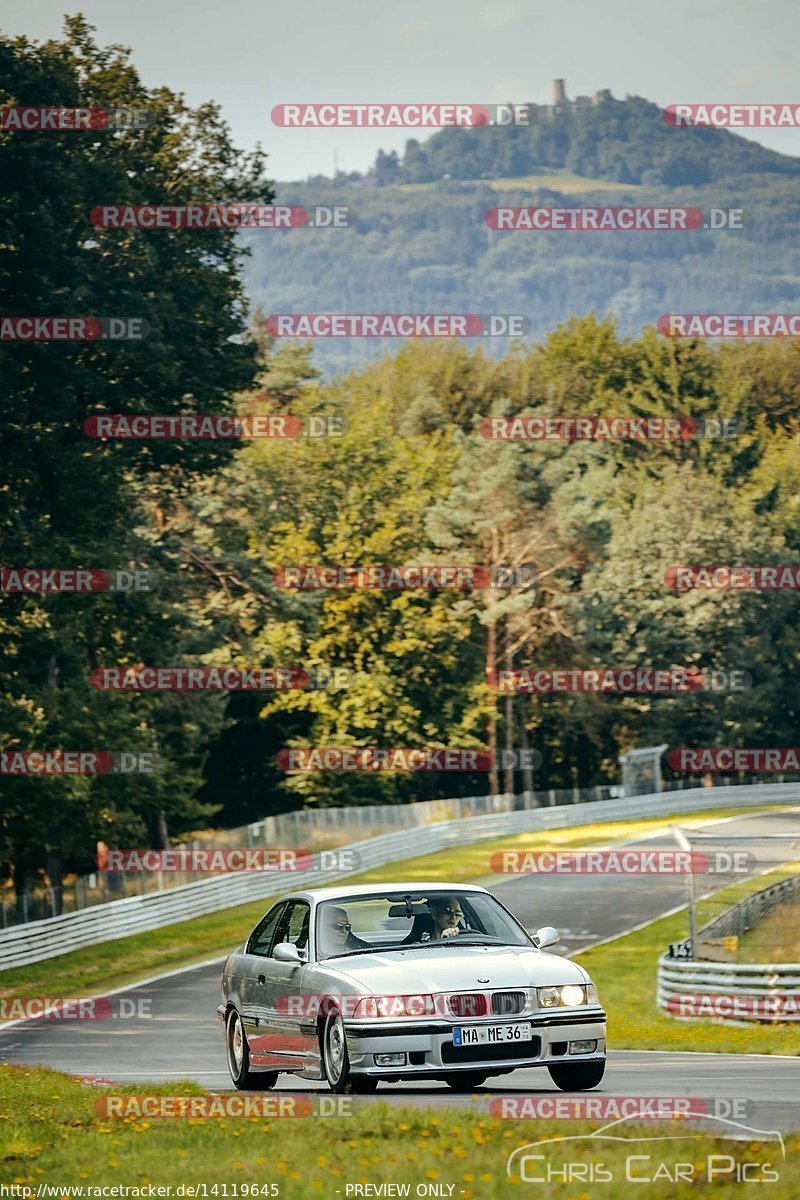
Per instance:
{"type": "Point", "coordinates": [262, 979]}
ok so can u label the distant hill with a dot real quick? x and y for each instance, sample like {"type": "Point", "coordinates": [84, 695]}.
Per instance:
{"type": "Point", "coordinates": [625, 141]}
{"type": "Point", "coordinates": [421, 243]}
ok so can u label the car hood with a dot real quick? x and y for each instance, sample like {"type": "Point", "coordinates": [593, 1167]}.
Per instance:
{"type": "Point", "coordinates": [457, 970]}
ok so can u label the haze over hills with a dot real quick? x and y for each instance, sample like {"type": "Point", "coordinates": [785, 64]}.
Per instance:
{"type": "Point", "coordinates": [421, 243]}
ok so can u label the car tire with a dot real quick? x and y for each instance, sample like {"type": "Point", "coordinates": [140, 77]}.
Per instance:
{"type": "Point", "coordinates": [335, 1059]}
{"type": "Point", "coordinates": [465, 1081]}
{"type": "Point", "coordinates": [238, 1055]}
{"type": "Point", "coordinates": [333, 1047]}
{"type": "Point", "coordinates": [577, 1077]}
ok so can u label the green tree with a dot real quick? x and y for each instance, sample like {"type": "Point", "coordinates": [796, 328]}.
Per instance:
{"type": "Point", "coordinates": [71, 501]}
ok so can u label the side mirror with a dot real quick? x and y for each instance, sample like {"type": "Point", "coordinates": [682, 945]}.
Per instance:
{"type": "Point", "coordinates": [286, 952]}
{"type": "Point", "coordinates": [546, 936]}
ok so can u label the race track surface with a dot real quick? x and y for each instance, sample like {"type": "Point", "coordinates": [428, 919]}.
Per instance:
{"type": "Point", "coordinates": [176, 1035]}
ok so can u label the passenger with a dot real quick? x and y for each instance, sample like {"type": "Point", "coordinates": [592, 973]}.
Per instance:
{"type": "Point", "coordinates": [447, 913]}
{"type": "Point", "coordinates": [441, 921]}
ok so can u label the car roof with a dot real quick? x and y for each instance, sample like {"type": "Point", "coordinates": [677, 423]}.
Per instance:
{"type": "Point", "coordinates": [316, 895]}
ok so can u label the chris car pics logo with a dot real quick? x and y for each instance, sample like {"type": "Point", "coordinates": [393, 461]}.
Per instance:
{"type": "Point", "coordinates": [748, 1156]}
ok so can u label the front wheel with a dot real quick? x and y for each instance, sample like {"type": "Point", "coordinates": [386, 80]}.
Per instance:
{"type": "Point", "coordinates": [335, 1059]}
{"type": "Point", "coordinates": [577, 1077]}
{"type": "Point", "coordinates": [464, 1081]}
{"type": "Point", "coordinates": [239, 1058]}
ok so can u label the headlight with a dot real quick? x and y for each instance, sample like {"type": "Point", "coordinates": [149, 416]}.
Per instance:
{"type": "Point", "coordinates": [572, 994]}
{"type": "Point", "coordinates": [395, 1006]}
{"type": "Point", "coordinates": [592, 996]}
{"type": "Point", "coordinates": [569, 994]}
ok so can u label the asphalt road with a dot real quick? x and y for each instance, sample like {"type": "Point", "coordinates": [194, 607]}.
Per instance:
{"type": "Point", "coordinates": [173, 1034]}
{"type": "Point", "coordinates": [588, 908]}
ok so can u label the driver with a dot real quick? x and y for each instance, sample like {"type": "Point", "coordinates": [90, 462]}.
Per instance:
{"type": "Point", "coordinates": [337, 935]}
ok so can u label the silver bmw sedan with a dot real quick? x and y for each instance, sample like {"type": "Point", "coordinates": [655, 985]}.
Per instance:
{"type": "Point", "coordinates": [358, 985]}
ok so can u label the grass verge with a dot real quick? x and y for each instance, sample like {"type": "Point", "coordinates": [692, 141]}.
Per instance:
{"type": "Point", "coordinates": [53, 1135]}
{"type": "Point", "coordinates": [114, 964]}
{"type": "Point", "coordinates": [127, 960]}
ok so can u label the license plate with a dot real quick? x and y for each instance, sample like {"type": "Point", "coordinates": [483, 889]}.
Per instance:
{"type": "Point", "coordinates": [482, 1035]}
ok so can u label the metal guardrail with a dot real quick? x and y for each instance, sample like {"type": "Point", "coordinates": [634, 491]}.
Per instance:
{"type": "Point", "coordinates": [53, 936]}
{"type": "Point", "coordinates": [755, 984]}
{"type": "Point", "coordinates": [308, 830]}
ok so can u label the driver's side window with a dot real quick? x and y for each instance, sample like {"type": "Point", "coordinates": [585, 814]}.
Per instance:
{"type": "Point", "coordinates": [293, 926]}
{"type": "Point", "coordinates": [261, 938]}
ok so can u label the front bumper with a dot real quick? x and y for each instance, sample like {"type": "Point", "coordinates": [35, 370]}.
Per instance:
{"type": "Point", "coordinates": [429, 1049]}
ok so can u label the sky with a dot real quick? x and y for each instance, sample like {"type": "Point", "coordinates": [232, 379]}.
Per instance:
{"type": "Point", "coordinates": [252, 54]}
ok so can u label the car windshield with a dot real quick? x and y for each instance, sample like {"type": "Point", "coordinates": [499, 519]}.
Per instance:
{"type": "Point", "coordinates": [395, 920]}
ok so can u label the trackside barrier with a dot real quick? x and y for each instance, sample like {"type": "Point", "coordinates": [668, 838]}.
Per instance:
{"type": "Point", "coordinates": [310, 828]}
{"type": "Point", "coordinates": [755, 985]}
{"type": "Point", "coordinates": [316, 829]}
{"type": "Point", "coordinates": [759, 982]}
{"type": "Point", "coordinates": [48, 938]}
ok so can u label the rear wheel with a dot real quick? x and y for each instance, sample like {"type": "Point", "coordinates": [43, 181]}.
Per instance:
{"type": "Point", "coordinates": [239, 1058]}
{"type": "Point", "coordinates": [464, 1081]}
{"type": "Point", "coordinates": [577, 1077]}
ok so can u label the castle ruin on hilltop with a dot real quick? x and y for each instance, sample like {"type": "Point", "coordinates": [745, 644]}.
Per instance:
{"type": "Point", "coordinates": [561, 102]}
